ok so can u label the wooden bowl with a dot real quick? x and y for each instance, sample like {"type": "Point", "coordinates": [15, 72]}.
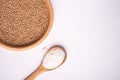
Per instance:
{"type": "Point", "coordinates": [24, 23]}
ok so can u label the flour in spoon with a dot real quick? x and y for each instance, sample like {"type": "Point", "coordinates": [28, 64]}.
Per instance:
{"type": "Point", "coordinates": [54, 59]}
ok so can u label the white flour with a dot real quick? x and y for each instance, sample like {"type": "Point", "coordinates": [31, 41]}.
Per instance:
{"type": "Point", "coordinates": [54, 58]}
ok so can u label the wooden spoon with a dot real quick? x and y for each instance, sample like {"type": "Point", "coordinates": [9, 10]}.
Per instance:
{"type": "Point", "coordinates": [48, 62]}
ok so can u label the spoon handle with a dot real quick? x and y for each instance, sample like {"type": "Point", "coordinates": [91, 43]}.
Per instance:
{"type": "Point", "coordinates": [37, 72]}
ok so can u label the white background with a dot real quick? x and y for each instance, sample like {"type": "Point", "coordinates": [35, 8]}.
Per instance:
{"type": "Point", "coordinates": [90, 32]}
